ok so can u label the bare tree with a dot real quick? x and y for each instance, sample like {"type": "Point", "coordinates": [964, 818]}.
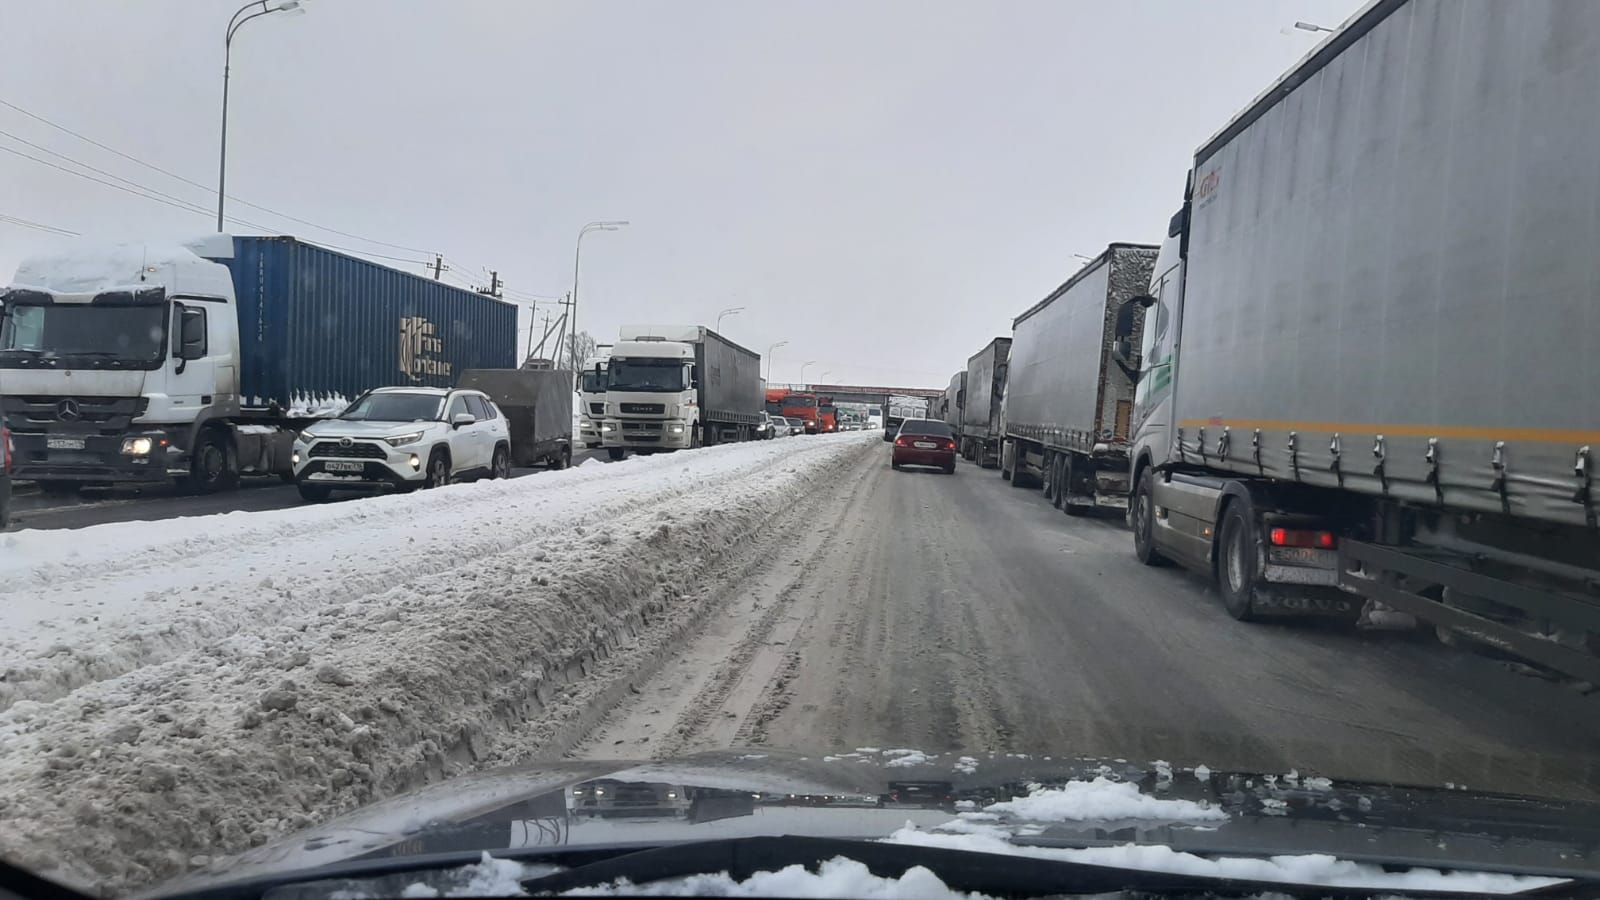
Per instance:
{"type": "Point", "coordinates": [583, 345]}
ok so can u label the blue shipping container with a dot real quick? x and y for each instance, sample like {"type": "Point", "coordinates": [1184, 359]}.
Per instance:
{"type": "Point", "coordinates": [314, 323]}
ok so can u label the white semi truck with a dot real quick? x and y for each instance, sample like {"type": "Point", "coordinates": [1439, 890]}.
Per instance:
{"type": "Point", "coordinates": [674, 387]}
{"type": "Point", "coordinates": [592, 400]}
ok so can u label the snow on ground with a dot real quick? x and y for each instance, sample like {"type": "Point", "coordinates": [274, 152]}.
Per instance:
{"type": "Point", "coordinates": [837, 877]}
{"type": "Point", "coordinates": [1311, 868]}
{"type": "Point", "coordinates": [177, 690]}
{"type": "Point", "coordinates": [1102, 800]}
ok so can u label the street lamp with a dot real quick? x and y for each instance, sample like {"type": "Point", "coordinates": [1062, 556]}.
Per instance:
{"type": "Point", "coordinates": [267, 7]}
{"type": "Point", "coordinates": [811, 362]}
{"type": "Point", "coordinates": [730, 311]}
{"type": "Point", "coordinates": [769, 356]}
{"type": "Point", "coordinates": [572, 351]}
{"type": "Point", "coordinates": [1308, 26]}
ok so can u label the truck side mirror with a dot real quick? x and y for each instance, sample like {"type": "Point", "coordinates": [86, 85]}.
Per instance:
{"type": "Point", "coordinates": [694, 377]}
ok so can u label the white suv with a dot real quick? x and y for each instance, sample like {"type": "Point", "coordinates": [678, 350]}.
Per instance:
{"type": "Point", "coordinates": [403, 438]}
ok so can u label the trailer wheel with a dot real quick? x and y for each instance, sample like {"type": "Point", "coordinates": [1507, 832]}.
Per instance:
{"type": "Point", "coordinates": [562, 459]}
{"type": "Point", "coordinates": [1236, 562]}
{"type": "Point", "coordinates": [616, 453]}
{"type": "Point", "coordinates": [1069, 484]}
{"type": "Point", "coordinates": [1144, 523]}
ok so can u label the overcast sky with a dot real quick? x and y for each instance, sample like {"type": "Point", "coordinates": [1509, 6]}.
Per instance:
{"type": "Point", "coordinates": [881, 184]}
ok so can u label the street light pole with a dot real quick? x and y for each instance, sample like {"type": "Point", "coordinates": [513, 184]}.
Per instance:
{"type": "Point", "coordinates": [234, 24]}
{"type": "Point", "coordinates": [769, 357]}
{"type": "Point", "coordinates": [572, 351]}
{"type": "Point", "coordinates": [730, 311]}
{"type": "Point", "coordinates": [803, 371]}
{"type": "Point", "coordinates": [1312, 27]}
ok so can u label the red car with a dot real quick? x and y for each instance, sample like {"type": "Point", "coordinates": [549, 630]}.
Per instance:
{"type": "Point", "coordinates": [925, 442]}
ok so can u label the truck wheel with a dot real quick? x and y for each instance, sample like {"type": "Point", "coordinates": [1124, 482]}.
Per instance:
{"type": "Point", "coordinates": [561, 460]}
{"type": "Point", "coordinates": [1236, 562]}
{"type": "Point", "coordinates": [1058, 475]}
{"type": "Point", "coordinates": [500, 465]}
{"type": "Point", "coordinates": [59, 488]}
{"type": "Point", "coordinates": [1069, 484]}
{"type": "Point", "coordinates": [697, 439]}
{"type": "Point", "coordinates": [314, 493]}
{"type": "Point", "coordinates": [616, 453]}
{"type": "Point", "coordinates": [1047, 484]}
{"type": "Point", "coordinates": [438, 470]}
{"type": "Point", "coordinates": [214, 465]}
{"type": "Point", "coordinates": [1144, 523]}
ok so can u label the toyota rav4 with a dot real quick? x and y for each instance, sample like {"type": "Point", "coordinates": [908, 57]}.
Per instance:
{"type": "Point", "coordinates": [403, 438]}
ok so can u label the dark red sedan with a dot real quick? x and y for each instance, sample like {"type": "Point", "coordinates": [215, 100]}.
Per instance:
{"type": "Point", "coordinates": [925, 442]}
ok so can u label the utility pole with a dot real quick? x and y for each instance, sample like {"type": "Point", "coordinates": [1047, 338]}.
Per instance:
{"type": "Point", "coordinates": [438, 266]}
{"type": "Point", "coordinates": [493, 290]}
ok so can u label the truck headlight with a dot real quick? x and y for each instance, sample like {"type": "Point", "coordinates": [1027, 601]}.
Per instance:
{"type": "Point", "coordinates": [606, 426]}
{"type": "Point", "coordinates": [138, 446]}
{"type": "Point", "coordinates": [675, 428]}
{"type": "Point", "coordinates": [584, 422]}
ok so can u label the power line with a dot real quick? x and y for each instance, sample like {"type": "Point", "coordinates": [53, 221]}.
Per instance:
{"type": "Point", "coordinates": [85, 165]}
{"type": "Point", "coordinates": [38, 226]}
{"type": "Point", "coordinates": [193, 183]}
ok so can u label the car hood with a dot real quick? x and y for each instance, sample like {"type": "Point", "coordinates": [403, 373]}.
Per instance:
{"type": "Point", "coordinates": [869, 794]}
{"type": "Point", "coordinates": [337, 428]}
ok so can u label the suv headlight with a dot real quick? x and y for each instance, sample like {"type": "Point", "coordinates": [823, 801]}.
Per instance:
{"type": "Point", "coordinates": [305, 437]}
{"type": "Point", "coordinates": [400, 440]}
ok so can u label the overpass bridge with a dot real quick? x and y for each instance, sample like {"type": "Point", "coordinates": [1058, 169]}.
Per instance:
{"type": "Point", "coordinates": [860, 393]}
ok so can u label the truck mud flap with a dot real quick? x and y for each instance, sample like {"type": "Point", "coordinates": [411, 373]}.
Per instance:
{"type": "Point", "coordinates": [1376, 560]}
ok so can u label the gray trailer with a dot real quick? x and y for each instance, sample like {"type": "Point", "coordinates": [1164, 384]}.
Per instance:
{"type": "Point", "coordinates": [673, 387]}
{"type": "Point", "coordinates": [955, 400]}
{"type": "Point", "coordinates": [538, 409]}
{"type": "Point", "coordinates": [1370, 385]}
{"type": "Point", "coordinates": [1068, 404]}
{"type": "Point", "coordinates": [731, 399]}
{"type": "Point", "coordinates": [980, 414]}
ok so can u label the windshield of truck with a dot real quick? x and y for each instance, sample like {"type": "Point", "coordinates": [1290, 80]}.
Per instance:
{"type": "Point", "coordinates": [643, 375]}
{"type": "Point", "coordinates": [594, 383]}
{"type": "Point", "coordinates": [132, 335]}
{"type": "Point", "coordinates": [394, 406]}
{"type": "Point", "coordinates": [795, 401]}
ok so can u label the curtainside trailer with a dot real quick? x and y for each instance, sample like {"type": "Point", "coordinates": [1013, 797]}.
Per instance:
{"type": "Point", "coordinates": [196, 362]}
{"type": "Point", "coordinates": [1069, 405]}
{"type": "Point", "coordinates": [1368, 387]}
{"type": "Point", "coordinates": [980, 413]}
{"type": "Point", "coordinates": [674, 387]}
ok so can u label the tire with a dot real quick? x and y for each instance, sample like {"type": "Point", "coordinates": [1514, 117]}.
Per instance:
{"type": "Point", "coordinates": [1144, 523]}
{"type": "Point", "coordinates": [438, 470]}
{"type": "Point", "coordinates": [500, 464]}
{"type": "Point", "coordinates": [1068, 479]}
{"type": "Point", "coordinates": [214, 464]}
{"type": "Point", "coordinates": [562, 459]}
{"type": "Point", "coordinates": [59, 488]}
{"type": "Point", "coordinates": [950, 469]}
{"type": "Point", "coordinates": [1236, 562]}
{"type": "Point", "coordinates": [697, 439]}
{"type": "Point", "coordinates": [314, 493]}
{"type": "Point", "coordinates": [1059, 473]}
{"type": "Point", "coordinates": [894, 465]}
{"type": "Point", "coordinates": [1047, 484]}
{"type": "Point", "coordinates": [616, 453]}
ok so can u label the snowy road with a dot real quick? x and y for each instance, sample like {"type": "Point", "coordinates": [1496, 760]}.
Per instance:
{"type": "Point", "coordinates": [175, 693]}
{"type": "Point", "coordinates": [960, 614]}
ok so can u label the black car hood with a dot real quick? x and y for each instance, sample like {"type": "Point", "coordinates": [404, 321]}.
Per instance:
{"type": "Point", "coordinates": [870, 795]}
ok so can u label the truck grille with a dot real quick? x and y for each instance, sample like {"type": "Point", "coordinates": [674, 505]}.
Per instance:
{"type": "Point", "coordinates": [644, 409]}
{"type": "Point", "coordinates": [641, 426]}
{"type": "Point", "coordinates": [356, 450]}
{"type": "Point", "coordinates": [99, 415]}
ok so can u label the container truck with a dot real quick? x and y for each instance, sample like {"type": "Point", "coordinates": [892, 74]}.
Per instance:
{"type": "Point", "coordinates": [674, 387]}
{"type": "Point", "coordinates": [196, 363]}
{"type": "Point", "coordinates": [955, 400]}
{"type": "Point", "coordinates": [980, 415]}
{"type": "Point", "coordinates": [1368, 385]}
{"type": "Point", "coordinates": [538, 408]}
{"type": "Point", "coordinates": [900, 408]}
{"type": "Point", "coordinates": [592, 400]}
{"type": "Point", "coordinates": [1068, 403]}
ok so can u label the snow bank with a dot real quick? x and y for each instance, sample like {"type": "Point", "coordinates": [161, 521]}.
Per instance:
{"type": "Point", "coordinates": [1102, 800]}
{"type": "Point", "coordinates": [208, 684]}
{"type": "Point", "coordinates": [1315, 869]}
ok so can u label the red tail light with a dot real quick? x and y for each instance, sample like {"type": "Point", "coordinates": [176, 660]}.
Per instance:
{"type": "Point", "coordinates": [948, 444]}
{"type": "Point", "coordinates": [902, 441]}
{"type": "Point", "coordinates": [1294, 537]}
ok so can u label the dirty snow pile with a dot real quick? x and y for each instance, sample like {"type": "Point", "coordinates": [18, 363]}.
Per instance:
{"type": "Point", "coordinates": [194, 687]}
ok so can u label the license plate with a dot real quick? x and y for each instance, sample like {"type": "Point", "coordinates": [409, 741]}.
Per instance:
{"type": "Point", "coordinates": [63, 443]}
{"type": "Point", "coordinates": [344, 467]}
{"type": "Point", "coordinates": [924, 445]}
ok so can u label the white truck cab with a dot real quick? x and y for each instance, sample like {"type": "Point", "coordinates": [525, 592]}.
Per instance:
{"type": "Point", "coordinates": [652, 397]}
{"type": "Point", "coordinates": [591, 407]}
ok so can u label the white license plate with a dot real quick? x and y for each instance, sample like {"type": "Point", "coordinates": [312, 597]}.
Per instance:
{"type": "Point", "coordinates": [63, 443]}
{"type": "Point", "coordinates": [344, 467]}
{"type": "Point", "coordinates": [924, 445]}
